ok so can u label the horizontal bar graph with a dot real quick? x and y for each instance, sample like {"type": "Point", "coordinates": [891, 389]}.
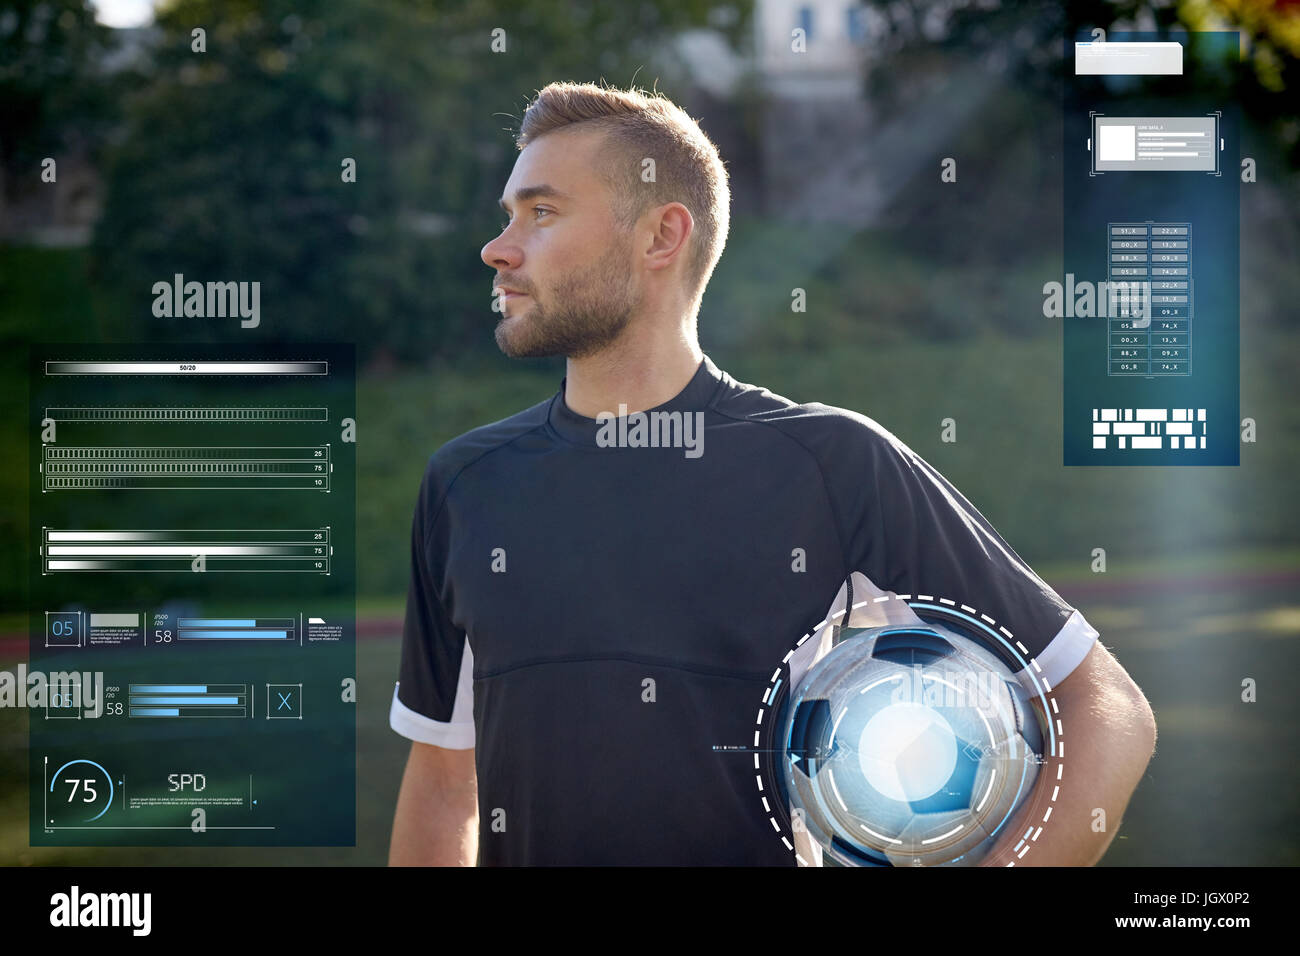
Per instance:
{"type": "Point", "coordinates": [67, 467]}
{"type": "Point", "coordinates": [188, 700]}
{"type": "Point", "coordinates": [207, 699]}
{"type": "Point", "coordinates": [233, 635]}
{"type": "Point", "coordinates": [236, 629]}
{"type": "Point", "coordinates": [225, 550]}
{"type": "Point", "coordinates": [260, 535]}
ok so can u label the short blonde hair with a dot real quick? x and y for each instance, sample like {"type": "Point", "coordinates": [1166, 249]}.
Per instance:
{"type": "Point", "coordinates": [638, 124]}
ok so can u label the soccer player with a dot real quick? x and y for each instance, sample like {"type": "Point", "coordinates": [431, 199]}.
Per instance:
{"type": "Point", "coordinates": [603, 584]}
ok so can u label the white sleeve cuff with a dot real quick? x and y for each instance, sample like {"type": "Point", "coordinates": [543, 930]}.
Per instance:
{"type": "Point", "coordinates": [1065, 652]}
{"type": "Point", "coordinates": [426, 730]}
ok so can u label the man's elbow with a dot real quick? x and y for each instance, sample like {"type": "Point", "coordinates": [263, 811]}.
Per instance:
{"type": "Point", "coordinates": [1141, 729]}
{"type": "Point", "coordinates": [1125, 731]}
{"type": "Point", "coordinates": [1120, 723]}
{"type": "Point", "coordinates": [1147, 725]}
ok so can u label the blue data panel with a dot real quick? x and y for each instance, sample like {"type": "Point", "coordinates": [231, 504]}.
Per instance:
{"type": "Point", "coordinates": [1150, 297]}
{"type": "Point", "coordinates": [192, 555]}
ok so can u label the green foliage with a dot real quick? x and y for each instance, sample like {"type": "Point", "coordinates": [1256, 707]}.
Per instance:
{"type": "Point", "coordinates": [230, 163]}
{"type": "Point", "coordinates": [45, 296]}
{"type": "Point", "coordinates": [51, 97]}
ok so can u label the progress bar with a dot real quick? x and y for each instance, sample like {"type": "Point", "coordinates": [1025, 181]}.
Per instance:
{"type": "Point", "coordinates": [236, 629]}
{"type": "Point", "coordinates": [198, 467]}
{"type": "Point", "coordinates": [92, 413]}
{"type": "Point", "coordinates": [186, 368]}
{"type": "Point", "coordinates": [188, 700]}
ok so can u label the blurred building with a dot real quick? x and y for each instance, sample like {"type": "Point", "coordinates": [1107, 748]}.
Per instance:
{"type": "Point", "coordinates": [804, 73]}
{"type": "Point", "coordinates": [788, 112]}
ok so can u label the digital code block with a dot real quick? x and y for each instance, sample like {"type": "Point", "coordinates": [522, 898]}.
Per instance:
{"type": "Point", "coordinates": [1138, 428]}
{"type": "Point", "coordinates": [1151, 345]}
{"type": "Point", "coordinates": [1151, 330]}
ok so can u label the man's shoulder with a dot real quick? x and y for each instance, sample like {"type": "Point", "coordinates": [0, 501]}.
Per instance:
{"type": "Point", "coordinates": [822, 429]}
{"type": "Point", "coordinates": [462, 451]}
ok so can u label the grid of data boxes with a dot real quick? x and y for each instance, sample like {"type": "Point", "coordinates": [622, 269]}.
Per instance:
{"type": "Point", "coordinates": [1158, 341]}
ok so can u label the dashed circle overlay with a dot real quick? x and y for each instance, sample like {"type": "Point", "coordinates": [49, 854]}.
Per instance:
{"type": "Point", "coordinates": [1056, 748]}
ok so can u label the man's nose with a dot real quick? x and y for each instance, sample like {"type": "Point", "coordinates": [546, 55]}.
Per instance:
{"type": "Point", "coordinates": [500, 254]}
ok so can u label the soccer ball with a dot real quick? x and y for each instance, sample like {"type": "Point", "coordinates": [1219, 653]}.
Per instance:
{"type": "Point", "coordinates": [908, 746]}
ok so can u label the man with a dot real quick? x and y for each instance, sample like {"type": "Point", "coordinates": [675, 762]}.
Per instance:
{"type": "Point", "coordinates": [593, 611]}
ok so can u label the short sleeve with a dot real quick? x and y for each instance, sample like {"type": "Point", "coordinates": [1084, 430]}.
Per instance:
{"type": "Point", "coordinates": [918, 535]}
{"type": "Point", "coordinates": [433, 701]}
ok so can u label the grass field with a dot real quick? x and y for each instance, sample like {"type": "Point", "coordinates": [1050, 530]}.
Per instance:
{"type": "Point", "coordinates": [1216, 792]}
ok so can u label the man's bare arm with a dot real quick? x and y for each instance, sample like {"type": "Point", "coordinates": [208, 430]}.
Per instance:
{"type": "Point", "coordinates": [1109, 737]}
{"type": "Point", "coordinates": [436, 823]}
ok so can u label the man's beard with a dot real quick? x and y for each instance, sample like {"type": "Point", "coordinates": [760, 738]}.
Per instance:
{"type": "Point", "coordinates": [591, 308]}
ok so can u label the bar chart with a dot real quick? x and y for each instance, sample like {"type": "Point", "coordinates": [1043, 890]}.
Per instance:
{"type": "Point", "coordinates": [75, 467]}
{"type": "Point", "coordinates": [188, 700]}
{"type": "Point", "coordinates": [236, 629]}
{"type": "Point", "coordinates": [304, 551]}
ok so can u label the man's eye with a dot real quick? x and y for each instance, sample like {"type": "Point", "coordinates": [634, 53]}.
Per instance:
{"type": "Point", "coordinates": [505, 223]}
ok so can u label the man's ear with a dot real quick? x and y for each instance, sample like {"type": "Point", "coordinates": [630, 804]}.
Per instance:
{"type": "Point", "coordinates": [671, 231]}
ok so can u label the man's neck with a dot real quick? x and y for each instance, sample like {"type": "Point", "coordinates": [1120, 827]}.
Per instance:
{"type": "Point", "coordinates": [638, 372]}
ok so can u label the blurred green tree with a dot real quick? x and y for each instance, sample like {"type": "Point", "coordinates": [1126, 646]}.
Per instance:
{"type": "Point", "coordinates": [52, 92]}
{"type": "Point", "coordinates": [230, 163]}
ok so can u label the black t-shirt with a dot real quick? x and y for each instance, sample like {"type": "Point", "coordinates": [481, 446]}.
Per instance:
{"type": "Point", "coordinates": [595, 619]}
